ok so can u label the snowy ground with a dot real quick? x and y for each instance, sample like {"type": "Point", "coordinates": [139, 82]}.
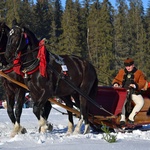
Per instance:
{"type": "Point", "coordinates": [58, 140]}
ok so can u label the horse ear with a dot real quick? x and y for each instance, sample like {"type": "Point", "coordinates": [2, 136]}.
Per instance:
{"type": "Point", "coordinates": [14, 22]}
{"type": "Point", "coordinates": [3, 24]}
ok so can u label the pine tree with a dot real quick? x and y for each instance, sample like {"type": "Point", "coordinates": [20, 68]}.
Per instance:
{"type": "Point", "coordinates": [92, 27]}
{"type": "Point", "coordinates": [25, 13]}
{"type": "Point", "coordinates": [56, 29]}
{"type": "Point", "coordinates": [137, 37]}
{"type": "Point", "coordinates": [121, 33]}
{"type": "Point", "coordinates": [13, 8]}
{"type": "Point", "coordinates": [105, 43]}
{"type": "Point", "coordinates": [70, 39]}
{"type": "Point", "coordinates": [42, 20]}
{"type": "Point", "coordinates": [147, 54]}
{"type": "Point", "coordinates": [2, 10]}
{"type": "Point", "coordinates": [83, 17]}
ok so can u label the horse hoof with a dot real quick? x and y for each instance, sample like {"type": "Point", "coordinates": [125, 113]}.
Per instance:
{"type": "Point", "coordinates": [68, 133]}
{"type": "Point", "coordinates": [76, 132]}
{"type": "Point", "coordinates": [49, 127]}
{"type": "Point", "coordinates": [23, 131]}
{"type": "Point", "coordinates": [13, 134]}
{"type": "Point", "coordinates": [87, 129]}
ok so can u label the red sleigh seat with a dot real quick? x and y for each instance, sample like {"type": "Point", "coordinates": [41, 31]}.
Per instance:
{"type": "Point", "coordinates": [111, 99]}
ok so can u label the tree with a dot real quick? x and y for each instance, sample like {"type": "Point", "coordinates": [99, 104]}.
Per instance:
{"type": "Point", "coordinates": [26, 12]}
{"type": "Point", "coordinates": [83, 17]}
{"type": "Point", "coordinates": [121, 32]}
{"type": "Point", "coordinates": [13, 8]}
{"type": "Point", "coordinates": [70, 38]}
{"type": "Point", "coordinates": [42, 20]}
{"type": "Point", "coordinates": [2, 10]}
{"type": "Point", "coordinates": [56, 27]}
{"type": "Point", "coordinates": [137, 34]}
{"type": "Point", "coordinates": [147, 53]}
{"type": "Point", "coordinates": [104, 44]}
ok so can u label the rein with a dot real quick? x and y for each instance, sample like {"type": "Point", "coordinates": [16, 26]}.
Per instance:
{"type": "Point", "coordinates": [62, 76]}
{"type": "Point", "coordinates": [30, 51]}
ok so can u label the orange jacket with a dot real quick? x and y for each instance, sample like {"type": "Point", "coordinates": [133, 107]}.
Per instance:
{"type": "Point", "coordinates": [139, 78]}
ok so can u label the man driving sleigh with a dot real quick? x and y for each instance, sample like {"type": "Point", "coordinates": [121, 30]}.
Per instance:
{"type": "Point", "coordinates": [131, 78]}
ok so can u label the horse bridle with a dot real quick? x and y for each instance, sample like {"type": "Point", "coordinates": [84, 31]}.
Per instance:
{"type": "Point", "coordinates": [21, 37]}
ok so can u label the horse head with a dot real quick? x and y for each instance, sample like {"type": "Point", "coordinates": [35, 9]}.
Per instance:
{"type": "Point", "coordinates": [19, 40]}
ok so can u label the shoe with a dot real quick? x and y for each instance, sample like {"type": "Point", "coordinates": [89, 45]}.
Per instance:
{"type": "Point", "coordinates": [122, 123]}
{"type": "Point", "coordinates": [130, 122]}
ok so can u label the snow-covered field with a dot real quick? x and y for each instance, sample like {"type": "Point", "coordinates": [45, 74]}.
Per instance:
{"type": "Point", "coordinates": [58, 140]}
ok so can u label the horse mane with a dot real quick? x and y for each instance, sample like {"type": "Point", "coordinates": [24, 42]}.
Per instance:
{"type": "Point", "coordinates": [34, 41]}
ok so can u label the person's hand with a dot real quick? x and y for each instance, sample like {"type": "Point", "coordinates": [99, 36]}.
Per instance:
{"type": "Point", "coordinates": [116, 85]}
{"type": "Point", "coordinates": [132, 86]}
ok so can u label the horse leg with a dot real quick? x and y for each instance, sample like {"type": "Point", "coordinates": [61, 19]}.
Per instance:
{"type": "Point", "coordinates": [83, 117]}
{"type": "Point", "coordinates": [10, 111]}
{"type": "Point", "coordinates": [18, 111]}
{"type": "Point", "coordinates": [84, 112]}
{"type": "Point", "coordinates": [10, 108]}
{"type": "Point", "coordinates": [45, 114]}
{"type": "Point", "coordinates": [68, 102]}
{"type": "Point", "coordinates": [42, 116]}
{"type": "Point", "coordinates": [91, 92]}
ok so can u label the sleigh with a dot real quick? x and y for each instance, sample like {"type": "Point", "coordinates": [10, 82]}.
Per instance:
{"type": "Point", "coordinates": [107, 107]}
{"type": "Point", "coordinates": [110, 101]}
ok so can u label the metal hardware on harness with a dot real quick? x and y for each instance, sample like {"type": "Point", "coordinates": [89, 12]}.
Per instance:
{"type": "Point", "coordinates": [25, 74]}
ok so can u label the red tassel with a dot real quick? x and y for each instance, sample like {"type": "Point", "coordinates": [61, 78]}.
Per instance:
{"type": "Point", "coordinates": [42, 57]}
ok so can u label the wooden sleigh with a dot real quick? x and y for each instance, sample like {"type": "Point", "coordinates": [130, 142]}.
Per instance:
{"type": "Point", "coordinates": [108, 106]}
{"type": "Point", "coordinates": [112, 99]}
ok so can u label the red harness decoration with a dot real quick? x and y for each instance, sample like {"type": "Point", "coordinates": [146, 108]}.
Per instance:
{"type": "Point", "coordinates": [17, 65]}
{"type": "Point", "coordinates": [8, 70]}
{"type": "Point", "coordinates": [32, 71]}
{"type": "Point", "coordinates": [42, 57]}
{"type": "Point", "coordinates": [42, 64]}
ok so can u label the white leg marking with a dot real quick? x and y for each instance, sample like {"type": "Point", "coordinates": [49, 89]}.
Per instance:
{"type": "Point", "coordinates": [43, 125]}
{"type": "Point", "coordinates": [87, 129]}
{"type": "Point", "coordinates": [15, 129]}
{"type": "Point", "coordinates": [78, 126]}
{"type": "Point", "coordinates": [70, 128]}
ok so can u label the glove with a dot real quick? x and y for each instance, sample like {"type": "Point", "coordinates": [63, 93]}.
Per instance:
{"type": "Point", "coordinates": [132, 86]}
{"type": "Point", "coordinates": [116, 85]}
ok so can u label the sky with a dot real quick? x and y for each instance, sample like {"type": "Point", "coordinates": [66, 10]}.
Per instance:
{"type": "Point", "coordinates": [113, 2]}
{"type": "Point", "coordinates": [58, 140]}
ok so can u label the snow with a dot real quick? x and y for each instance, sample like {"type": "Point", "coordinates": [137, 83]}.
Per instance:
{"type": "Point", "coordinates": [58, 140]}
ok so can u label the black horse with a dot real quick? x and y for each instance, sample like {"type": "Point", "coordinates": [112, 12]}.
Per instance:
{"type": "Point", "coordinates": [14, 93]}
{"type": "Point", "coordinates": [47, 75]}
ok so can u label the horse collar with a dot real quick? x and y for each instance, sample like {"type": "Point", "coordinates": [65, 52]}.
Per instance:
{"type": "Point", "coordinates": [7, 70]}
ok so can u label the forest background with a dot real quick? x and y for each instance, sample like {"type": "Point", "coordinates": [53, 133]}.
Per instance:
{"type": "Point", "coordinates": [93, 29]}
